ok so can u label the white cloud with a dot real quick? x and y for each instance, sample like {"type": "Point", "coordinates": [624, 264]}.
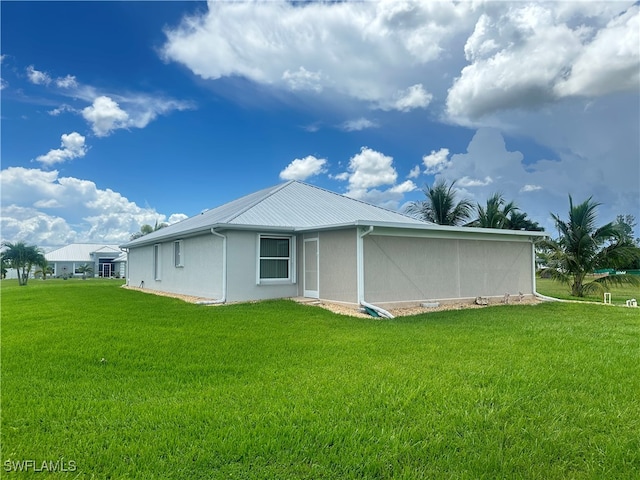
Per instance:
{"type": "Point", "coordinates": [369, 169]}
{"type": "Point", "coordinates": [105, 115]}
{"type": "Point", "coordinates": [48, 210]}
{"type": "Point", "coordinates": [357, 125]}
{"type": "Point", "coordinates": [61, 109]}
{"type": "Point", "coordinates": [73, 146]}
{"type": "Point", "coordinates": [474, 182]}
{"type": "Point", "coordinates": [404, 187]}
{"type": "Point", "coordinates": [568, 52]}
{"type": "Point", "coordinates": [540, 185]}
{"type": "Point", "coordinates": [303, 79]}
{"type": "Point", "coordinates": [67, 82]}
{"type": "Point", "coordinates": [415, 172]}
{"type": "Point", "coordinates": [303, 168]}
{"type": "Point", "coordinates": [337, 48]}
{"type": "Point", "coordinates": [413, 97]}
{"type": "Point", "coordinates": [34, 226]}
{"type": "Point", "coordinates": [436, 161]}
{"type": "Point", "coordinates": [36, 77]}
{"type": "Point", "coordinates": [610, 63]}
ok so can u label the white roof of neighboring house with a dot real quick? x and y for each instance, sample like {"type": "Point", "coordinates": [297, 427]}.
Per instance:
{"type": "Point", "coordinates": [81, 252]}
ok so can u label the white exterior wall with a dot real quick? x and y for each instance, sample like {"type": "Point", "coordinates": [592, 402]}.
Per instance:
{"type": "Point", "coordinates": [242, 270]}
{"type": "Point", "coordinates": [200, 275]}
{"type": "Point", "coordinates": [413, 269]}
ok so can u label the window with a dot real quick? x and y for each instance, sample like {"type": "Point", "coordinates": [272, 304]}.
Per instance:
{"type": "Point", "coordinates": [275, 258]}
{"type": "Point", "coordinates": [177, 254]}
{"type": "Point", "coordinates": [156, 262]}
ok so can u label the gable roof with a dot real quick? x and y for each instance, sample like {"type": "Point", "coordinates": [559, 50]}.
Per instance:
{"type": "Point", "coordinates": [290, 206]}
{"type": "Point", "coordinates": [81, 252]}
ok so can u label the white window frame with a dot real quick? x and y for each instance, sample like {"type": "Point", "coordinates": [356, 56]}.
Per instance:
{"type": "Point", "coordinates": [157, 261]}
{"type": "Point", "coordinates": [291, 273]}
{"type": "Point", "coordinates": [178, 259]}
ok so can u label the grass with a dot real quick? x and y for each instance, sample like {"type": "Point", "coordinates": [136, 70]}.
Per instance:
{"type": "Point", "coordinates": [619, 294]}
{"type": "Point", "coordinates": [282, 390]}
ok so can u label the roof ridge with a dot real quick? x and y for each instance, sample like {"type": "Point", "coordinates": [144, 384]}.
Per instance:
{"type": "Point", "coordinates": [271, 191]}
{"type": "Point", "coordinates": [363, 202]}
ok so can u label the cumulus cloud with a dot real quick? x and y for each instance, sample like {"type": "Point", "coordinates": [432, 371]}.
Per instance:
{"type": "Point", "coordinates": [48, 210]}
{"type": "Point", "coordinates": [567, 52]}
{"type": "Point", "coordinates": [540, 185]}
{"type": "Point", "coordinates": [369, 170]}
{"type": "Point", "coordinates": [73, 146]}
{"type": "Point", "coordinates": [436, 161]}
{"type": "Point", "coordinates": [303, 168]}
{"type": "Point", "coordinates": [414, 172]}
{"type": "Point", "coordinates": [105, 115]}
{"type": "Point", "coordinates": [413, 97]}
{"type": "Point", "coordinates": [336, 47]}
{"type": "Point", "coordinates": [609, 63]}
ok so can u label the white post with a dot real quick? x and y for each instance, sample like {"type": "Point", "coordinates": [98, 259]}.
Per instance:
{"type": "Point", "coordinates": [607, 298]}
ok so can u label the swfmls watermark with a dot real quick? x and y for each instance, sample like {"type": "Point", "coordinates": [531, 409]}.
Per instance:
{"type": "Point", "coordinates": [49, 466]}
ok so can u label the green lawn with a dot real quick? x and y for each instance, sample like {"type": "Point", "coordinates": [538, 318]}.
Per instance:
{"type": "Point", "coordinates": [278, 390]}
{"type": "Point", "coordinates": [619, 295]}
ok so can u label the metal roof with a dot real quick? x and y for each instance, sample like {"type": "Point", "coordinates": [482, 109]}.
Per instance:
{"type": "Point", "coordinates": [297, 206]}
{"type": "Point", "coordinates": [290, 206]}
{"type": "Point", "coordinates": [81, 252]}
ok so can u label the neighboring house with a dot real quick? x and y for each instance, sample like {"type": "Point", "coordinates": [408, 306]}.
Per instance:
{"type": "Point", "coordinates": [296, 239]}
{"type": "Point", "coordinates": [106, 260]}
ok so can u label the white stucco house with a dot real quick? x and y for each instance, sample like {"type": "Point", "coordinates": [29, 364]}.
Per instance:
{"type": "Point", "coordinates": [296, 239]}
{"type": "Point", "coordinates": [106, 260]}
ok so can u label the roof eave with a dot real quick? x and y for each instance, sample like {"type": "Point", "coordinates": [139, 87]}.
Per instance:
{"type": "Point", "coordinates": [453, 229]}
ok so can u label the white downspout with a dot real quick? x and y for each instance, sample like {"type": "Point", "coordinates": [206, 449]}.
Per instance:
{"type": "Point", "coordinates": [360, 279]}
{"type": "Point", "coordinates": [126, 267]}
{"type": "Point", "coordinates": [224, 271]}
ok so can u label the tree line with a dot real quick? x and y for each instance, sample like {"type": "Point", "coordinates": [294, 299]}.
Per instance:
{"type": "Point", "coordinates": [442, 207]}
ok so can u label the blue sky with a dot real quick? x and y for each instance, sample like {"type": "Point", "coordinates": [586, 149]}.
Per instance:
{"type": "Point", "coordinates": [117, 114]}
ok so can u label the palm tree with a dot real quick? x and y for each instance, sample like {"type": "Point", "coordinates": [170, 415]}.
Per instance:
{"type": "Point", "coordinates": [582, 248]}
{"type": "Point", "coordinates": [146, 229]}
{"type": "Point", "coordinates": [44, 268]}
{"type": "Point", "coordinates": [495, 214]}
{"type": "Point", "coordinates": [519, 221]}
{"type": "Point", "coordinates": [440, 205]}
{"type": "Point", "coordinates": [22, 257]}
{"type": "Point", "coordinates": [84, 270]}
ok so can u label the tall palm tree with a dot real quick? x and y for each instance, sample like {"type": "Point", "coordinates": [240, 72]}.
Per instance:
{"type": "Point", "coordinates": [440, 205]}
{"type": "Point", "coordinates": [495, 214]}
{"type": "Point", "coordinates": [582, 248]}
{"type": "Point", "coordinates": [22, 257]}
